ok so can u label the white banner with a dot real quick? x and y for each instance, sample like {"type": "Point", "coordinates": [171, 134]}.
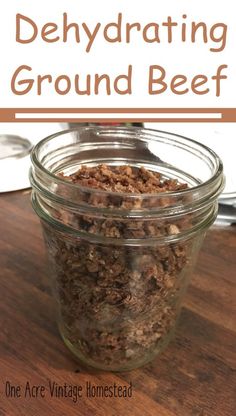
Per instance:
{"type": "Point", "coordinates": [117, 54]}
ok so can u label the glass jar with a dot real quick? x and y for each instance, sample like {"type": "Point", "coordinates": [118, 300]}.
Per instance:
{"type": "Point", "coordinates": [121, 262]}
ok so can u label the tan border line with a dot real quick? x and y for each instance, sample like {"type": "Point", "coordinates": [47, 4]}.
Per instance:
{"type": "Point", "coordinates": [228, 114]}
{"type": "Point", "coordinates": [121, 110]}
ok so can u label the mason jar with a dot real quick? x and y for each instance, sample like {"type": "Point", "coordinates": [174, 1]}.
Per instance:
{"type": "Point", "coordinates": [120, 263]}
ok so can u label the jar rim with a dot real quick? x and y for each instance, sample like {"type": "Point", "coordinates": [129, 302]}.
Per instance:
{"type": "Point", "coordinates": [184, 192]}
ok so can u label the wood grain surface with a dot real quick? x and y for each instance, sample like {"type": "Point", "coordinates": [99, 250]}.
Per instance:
{"type": "Point", "coordinates": [195, 376]}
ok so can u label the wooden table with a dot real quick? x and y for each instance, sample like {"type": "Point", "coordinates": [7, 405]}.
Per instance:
{"type": "Point", "coordinates": [195, 376]}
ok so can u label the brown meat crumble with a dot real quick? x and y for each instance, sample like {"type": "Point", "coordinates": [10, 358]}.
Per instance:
{"type": "Point", "coordinates": [118, 303]}
{"type": "Point", "coordinates": [123, 179]}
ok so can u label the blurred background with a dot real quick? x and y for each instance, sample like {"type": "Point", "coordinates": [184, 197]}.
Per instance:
{"type": "Point", "coordinates": [17, 140]}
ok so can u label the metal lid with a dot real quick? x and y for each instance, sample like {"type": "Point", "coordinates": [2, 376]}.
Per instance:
{"type": "Point", "coordinates": [12, 146]}
{"type": "Point", "coordinates": [14, 162]}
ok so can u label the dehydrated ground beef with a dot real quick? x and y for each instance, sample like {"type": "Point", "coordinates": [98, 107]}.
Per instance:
{"type": "Point", "coordinates": [118, 303]}
{"type": "Point", "coordinates": [123, 179]}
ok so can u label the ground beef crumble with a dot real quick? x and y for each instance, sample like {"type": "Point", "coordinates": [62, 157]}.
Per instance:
{"type": "Point", "coordinates": [118, 304]}
{"type": "Point", "coordinates": [123, 179]}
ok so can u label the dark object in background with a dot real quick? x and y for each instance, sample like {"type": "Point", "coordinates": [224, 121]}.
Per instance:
{"type": "Point", "coordinates": [72, 125]}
